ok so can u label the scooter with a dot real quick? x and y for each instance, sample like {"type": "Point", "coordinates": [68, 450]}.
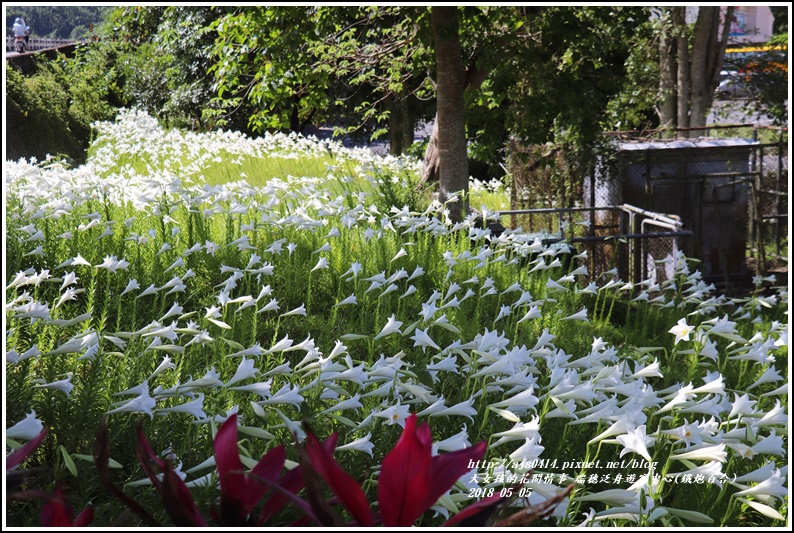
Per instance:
{"type": "Point", "coordinates": [19, 44]}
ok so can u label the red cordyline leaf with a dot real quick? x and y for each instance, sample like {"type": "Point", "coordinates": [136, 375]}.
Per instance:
{"type": "Point", "coordinates": [241, 492]}
{"type": "Point", "coordinates": [340, 482]}
{"type": "Point", "coordinates": [412, 480]}
{"type": "Point", "coordinates": [18, 456]}
{"type": "Point", "coordinates": [57, 514]}
{"type": "Point", "coordinates": [177, 498]}
{"type": "Point", "coordinates": [291, 482]}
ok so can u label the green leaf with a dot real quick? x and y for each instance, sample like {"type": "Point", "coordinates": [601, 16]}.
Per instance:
{"type": "Point", "coordinates": [648, 349]}
{"type": "Point", "coordinates": [560, 405]}
{"type": "Point", "coordinates": [691, 516]}
{"type": "Point", "coordinates": [352, 337]}
{"type": "Point", "coordinates": [68, 461]}
{"type": "Point", "coordinates": [236, 346]}
{"type": "Point", "coordinates": [172, 348]}
{"type": "Point", "coordinates": [344, 420]}
{"type": "Point", "coordinates": [425, 378]}
{"type": "Point", "coordinates": [410, 328]}
{"type": "Point", "coordinates": [248, 461]}
{"type": "Point", "coordinates": [112, 463]}
{"type": "Point", "coordinates": [256, 432]}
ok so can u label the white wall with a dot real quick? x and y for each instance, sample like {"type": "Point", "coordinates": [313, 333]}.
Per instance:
{"type": "Point", "coordinates": [752, 24]}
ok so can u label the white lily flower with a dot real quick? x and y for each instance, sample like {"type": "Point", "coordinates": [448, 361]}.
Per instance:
{"type": "Point", "coordinates": [459, 441]}
{"type": "Point", "coordinates": [195, 408]}
{"type": "Point", "coordinates": [142, 404]}
{"type": "Point", "coordinates": [272, 305]}
{"type": "Point", "coordinates": [421, 338]}
{"type": "Point", "coordinates": [285, 395]}
{"type": "Point", "coordinates": [244, 371]}
{"type": "Point", "coordinates": [350, 300]}
{"type": "Point", "coordinates": [26, 429]}
{"type": "Point", "coordinates": [401, 253]}
{"type": "Point", "coordinates": [636, 441]}
{"type": "Point", "coordinates": [396, 414]}
{"type": "Point", "coordinates": [409, 291]}
{"type": "Point", "coordinates": [649, 371]}
{"type": "Point", "coordinates": [322, 263]}
{"type": "Point", "coordinates": [351, 403]}
{"type": "Point", "coordinates": [759, 474]}
{"type": "Point", "coordinates": [64, 385]}
{"type": "Point", "coordinates": [210, 380]}
{"type": "Point", "coordinates": [166, 364]}
{"type": "Point", "coordinates": [301, 311]}
{"type": "Point", "coordinates": [392, 326]}
{"type": "Point", "coordinates": [360, 445]}
{"type": "Point", "coordinates": [681, 330]}
{"type": "Point", "coordinates": [703, 453]}
{"type": "Point", "coordinates": [771, 445]}
{"type": "Point", "coordinates": [770, 375]}
{"type": "Point", "coordinates": [581, 315]}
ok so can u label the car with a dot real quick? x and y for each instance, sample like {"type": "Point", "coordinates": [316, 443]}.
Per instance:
{"type": "Point", "coordinates": [732, 85]}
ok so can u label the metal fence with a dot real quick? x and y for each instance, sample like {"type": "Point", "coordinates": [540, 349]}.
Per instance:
{"type": "Point", "coordinates": [39, 44]}
{"type": "Point", "coordinates": [635, 243]}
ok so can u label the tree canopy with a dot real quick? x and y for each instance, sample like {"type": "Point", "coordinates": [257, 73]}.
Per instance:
{"type": "Point", "coordinates": [57, 22]}
{"type": "Point", "coordinates": [532, 75]}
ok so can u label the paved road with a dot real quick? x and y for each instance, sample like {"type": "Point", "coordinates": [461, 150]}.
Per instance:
{"type": "Point", "coordinates": [734, 112]}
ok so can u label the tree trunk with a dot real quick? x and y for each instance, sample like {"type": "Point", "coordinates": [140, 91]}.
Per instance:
{"type": "Point", "coordinates": [395, 135]}
{"type": "Point", "coordinates": [406, 124]}
{"type": "Point", "coordinates": [667, 77]}
{"type": "Point", "coordinates": [401, 124]}
{"type": "Point", "coordinates": [431, 162]}
{"type": "Point", "coordinates": [450, 114]}
{"type": "Point", "coordinates": [473, 78]}
{"type": "Point", "coordinates": [722, 46]}
{"type": "Point", "coordinates": [683, 81]}
{"type": "Point", "coordinates": [706, 31]}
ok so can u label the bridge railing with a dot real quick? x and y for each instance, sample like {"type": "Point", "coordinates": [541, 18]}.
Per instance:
{"type": "Point", "coordinates": [39, 44]}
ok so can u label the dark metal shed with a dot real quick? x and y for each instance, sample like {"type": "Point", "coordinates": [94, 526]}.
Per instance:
{"type": "Point", "coordinates": [702, 181]}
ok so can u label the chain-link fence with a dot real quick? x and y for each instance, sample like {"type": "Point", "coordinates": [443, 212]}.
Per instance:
{"type": "Point", "coordinates": [769, 208]}
{"type": "Point", "coordinates": [636, 244]}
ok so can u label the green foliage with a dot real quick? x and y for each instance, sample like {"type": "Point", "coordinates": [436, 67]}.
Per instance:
{"type": "Point", "coordinates": [51, 111]}
{"type": "Point", "coordinates": [145, 82]}
{"type": "Point", "coordinates": [39, 119]}
{"type": "Point", "coordinates": [167, 60]}
{"type": "Point", "coordinates": [264, 58]}
{"type": "Point", "coordinates": [57, 22]}
{"type": "Point", "coordinates": [781, 14]}
{"type": "Point", "coordinates": [768, 83]}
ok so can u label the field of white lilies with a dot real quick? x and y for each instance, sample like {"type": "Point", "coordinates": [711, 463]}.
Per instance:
{"type": "Point", "coordinates": [179, 279]}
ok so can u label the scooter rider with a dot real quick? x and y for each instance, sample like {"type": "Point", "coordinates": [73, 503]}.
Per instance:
{"type": "Point", "coordinates": [22, 30]}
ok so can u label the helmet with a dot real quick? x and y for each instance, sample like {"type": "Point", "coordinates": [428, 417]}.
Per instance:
{"type": "Point", "coordinates": [18, 21]}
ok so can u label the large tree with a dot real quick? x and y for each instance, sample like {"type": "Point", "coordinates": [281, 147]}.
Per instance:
{"type": "Point", "coordinates": [534, 73]}
{"type": "Point", "coordinates": [450, 115]}
{"type": "Point", "coordinates": [690, 60]}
